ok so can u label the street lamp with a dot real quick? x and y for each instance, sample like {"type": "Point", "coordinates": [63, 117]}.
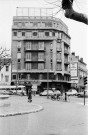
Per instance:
{"type": "Point", "coordinates": [47, 83]}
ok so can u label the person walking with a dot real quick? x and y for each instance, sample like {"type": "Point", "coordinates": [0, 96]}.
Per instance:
{"type": "Point", "coordinates": [29, 95]}
{"type": "Point", "coordinates": [65, 96]}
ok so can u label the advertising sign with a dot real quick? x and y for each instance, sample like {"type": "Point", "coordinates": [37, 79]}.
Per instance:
{"type": "Point", "coordinates": [73, 67]}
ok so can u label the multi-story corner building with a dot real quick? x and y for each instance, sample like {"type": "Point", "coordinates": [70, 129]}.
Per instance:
{"type": "Point", "coordinates": [78, 71]}
{"type": "Point", "coordinates": [40, 51]}
{"type": "Point", "coordinates": [5, 71]}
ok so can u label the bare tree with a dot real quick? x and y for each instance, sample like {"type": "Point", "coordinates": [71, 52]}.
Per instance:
{"type": "Point", "coordinates": [67, 5]}
{"type": "Point", "coordinates": [4, 57]}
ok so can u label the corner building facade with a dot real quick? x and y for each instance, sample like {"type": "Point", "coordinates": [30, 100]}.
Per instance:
{"type": "Point", "coordinates": [40, 52]}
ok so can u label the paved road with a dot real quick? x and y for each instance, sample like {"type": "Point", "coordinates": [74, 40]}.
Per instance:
{"type": "Point", "coordinates": [57, 118]}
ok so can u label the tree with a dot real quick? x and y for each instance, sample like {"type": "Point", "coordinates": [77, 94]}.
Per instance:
{"type": "Point", "coordinates": [4, 57]}
{"type": "Point", "coordinates": [67, 5]}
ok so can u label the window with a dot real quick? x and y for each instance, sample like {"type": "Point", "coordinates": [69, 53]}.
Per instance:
{"type": "Point", "coordinates": [28, 56]}
{"type": "Point", "coordinates": [58, 56]}
{"type": "Point", "coordinates": [19, 24]}
{"type": "Point", "coordinates": [66, 67]}
{"type": "Point", "coordinates": [19, 34]}
{"type": "Point", "coordinates": [23, 33]}
{"type": "Point", "coordinates": [48, 24]}
{"type": "Point", "coordinates": [53, 33]}
{"type": "Point", "coordinates": [35, 24]}
{"type": "Point", "coordinates": [26, 24]}
{"type": "Point", "coordinates": [34, 65]}
{"type": "Point", "coordinates": [27, 34]}
{"type": "Point", "coordinates": [1, 77]}
{"type": "Point", "coordinates": [40, 56]}
{"type": "Point", "coordinates": [14, 33]}
{"type": "Point", "coordinates": [46, 33]}
{"type": "Point", "coordinates": [6, 78]}
{"type": "Point", "coordinates": [7, 68]}
{"type": "Point", "coordinates": [28, 45]}
{"type": "Point", "coordinates": [34, 33]}
{"type": "Point", "coordinates": [58, 66]}
{"type": "Point", "coordinates": [31, 24]}
{"type": "Point", "coordinates": [19, 65]}
{"type": "Point", "coordinates": [41, 45]}
{"type": "Point", "coordinates": [43, 24]}
{"type": "Point", "coordinates": [34, 45]}
{"type": "Point", "coordinates": [19, 49]}
{"type": "Point", "coordinates": [41, 34]}
{"type": "Point", "coordinates": [19, 60]}
{"type": "Point", "coordinates": [19, 44]}
{"type": "Point", "coordinates": [28, 66]}
{"type": "Point", "coordinates": [15, 23]}
{"type": "Point", "coordinates": [51, 66]}
{"type": "Point", "coordinates": [13, 76]}
{"type": "Point", "coordinates": [40, 66]}
{"type": "Point", "coordinates": [19, 55]}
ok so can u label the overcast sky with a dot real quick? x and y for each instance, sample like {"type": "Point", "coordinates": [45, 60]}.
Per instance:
{"type": "Point", "coordinates": [78, 31]}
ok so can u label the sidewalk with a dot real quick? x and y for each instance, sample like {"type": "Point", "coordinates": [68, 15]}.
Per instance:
{"type": "Point", "coordinates": [17, 105]}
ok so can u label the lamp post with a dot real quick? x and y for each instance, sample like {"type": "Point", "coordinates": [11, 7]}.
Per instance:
{"type": "Point", "coordinates": [47, 83]}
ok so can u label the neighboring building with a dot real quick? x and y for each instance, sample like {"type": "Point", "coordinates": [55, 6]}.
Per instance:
{"type": "Point", "coordinates": [40, 51]}
{"type": "Point", "coordinates": [78, 71]}
{"type": "Point", "coordinates": [5, 71]}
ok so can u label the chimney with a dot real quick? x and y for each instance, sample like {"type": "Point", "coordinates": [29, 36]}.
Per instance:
{"type": "Point", "coordinates": [73, 53]}
{"type": "Point", "coordinates": [81, 59]}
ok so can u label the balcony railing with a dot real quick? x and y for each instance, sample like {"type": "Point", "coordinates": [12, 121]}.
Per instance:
{"type": "Point", "coordinates": [66, 51]}
{"type": "Point", "coordinates": [34, 60]}
{"type": "Point", "coordinates": [59, 60]}
{"type": "Point", "coordinates": [59, 49]}
{"type": "Point", "coordinates": [66, 62]}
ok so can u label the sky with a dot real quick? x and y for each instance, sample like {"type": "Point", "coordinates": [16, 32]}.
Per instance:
{"type": "Point", "coordinates": [78, 31]}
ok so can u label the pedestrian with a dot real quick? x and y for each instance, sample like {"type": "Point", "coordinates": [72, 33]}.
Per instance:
{"type": "Point", "coordinates": [29, 95]}
{"type": "Point", "coordinates": [65, 96]}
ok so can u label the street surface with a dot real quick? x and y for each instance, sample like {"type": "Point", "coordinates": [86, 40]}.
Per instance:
{"type": "Point", "coordinates": [57, 118]}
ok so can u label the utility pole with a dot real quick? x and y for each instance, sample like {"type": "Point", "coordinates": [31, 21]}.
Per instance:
{"type": "Point", "coordinates": [47, 84]}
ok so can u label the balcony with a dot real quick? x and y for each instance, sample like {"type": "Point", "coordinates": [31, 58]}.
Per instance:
{"type": "Point", "coordinates": [66, 51]}
{"type": "Point", "coordinates": [59, 49]}
{"type": "Point", "coordinates": [32, 60]}
{"type": "Point", "coordinates": [66, 62]}
{"type": "Point", "coordinates": [48, 38]}
{"type": "Point", "coordinates": [37, 49]}
{"type": "Point", "coordinates": [59, 60]}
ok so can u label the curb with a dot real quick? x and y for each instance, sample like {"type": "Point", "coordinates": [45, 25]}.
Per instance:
{"type": "Point", "coordinates": [40, 108]}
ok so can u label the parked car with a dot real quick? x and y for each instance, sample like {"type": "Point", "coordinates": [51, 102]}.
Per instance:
{"type": "Point", "coordinates": [4, 92]}
{"type": "Point", "coordinates": [44, 93]}
{"type": "Point", "coordinates": [57, 92]}
{"type": "Point", "coordinates": [71, 92]}
{"type": "Point", "coordinates": [18, 92]}
{"type": "Point", "coordinates": [81, 94]}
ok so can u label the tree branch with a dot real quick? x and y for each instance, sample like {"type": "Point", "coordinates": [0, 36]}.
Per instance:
{"type": "Point", "coordinates": [70, 13]}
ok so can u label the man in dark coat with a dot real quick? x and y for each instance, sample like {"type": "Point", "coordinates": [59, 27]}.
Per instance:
{"type": "Point", "coordinates": [29, 95]}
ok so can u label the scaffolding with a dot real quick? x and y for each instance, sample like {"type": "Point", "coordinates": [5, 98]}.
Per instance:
{"type": "Point", "coordinates": [30, 11]}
